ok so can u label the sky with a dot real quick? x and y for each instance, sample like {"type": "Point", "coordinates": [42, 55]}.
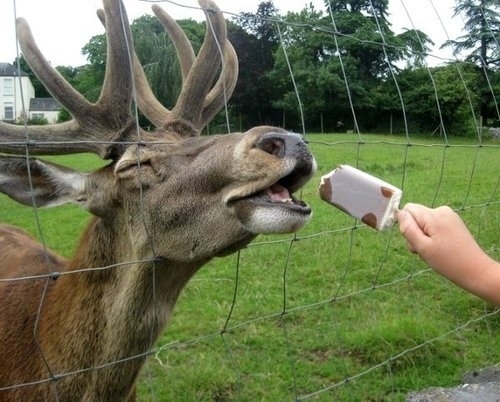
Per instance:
{"type": "Point", "coordinates": [62, 27]}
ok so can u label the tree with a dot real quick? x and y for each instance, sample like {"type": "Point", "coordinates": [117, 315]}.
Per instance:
{"type": "Point", "coordinates": [482, 26]}
{"type": "Point", "coordinates": [255, 38]}
{"type": "Point", "coordinates": [352, 42]}
{"type": "Point", "coordinates": [316, 71]}
{"type": "Point", "coordinates": [481, 41]}
{"type": "Point", "coordinates": [443, 103]}
{"type": "Point", "coordinates": [364, 33]}
{"type": "Point", "coordinates": [262, 25]}
{"type": "Point", "coordinates": [91, 76]}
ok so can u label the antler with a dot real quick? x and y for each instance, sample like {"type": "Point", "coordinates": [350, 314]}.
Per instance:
{"type": "Point", "coordinates": [195, 103]}
{"type": "Point", "coordinates": [198, 101]}
{"type": "Point", "coordinates": [105, 126]}
{"type": "Point", "coordinates": [95, 127]}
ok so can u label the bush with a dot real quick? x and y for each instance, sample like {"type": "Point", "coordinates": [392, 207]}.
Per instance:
{"type": "Point", "coordinates": [37, 121]}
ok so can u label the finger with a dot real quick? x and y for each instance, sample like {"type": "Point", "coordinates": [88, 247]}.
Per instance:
{"type": "Point", "coordinates": [411, 230]}
{"type": "Point", "coordinates": [405, 220]}
{"type": "Point", "coordinates": [421, 215]}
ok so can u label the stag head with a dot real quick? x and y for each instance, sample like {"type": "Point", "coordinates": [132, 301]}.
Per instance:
{"type": "Point", "coordinates": [180, 196]}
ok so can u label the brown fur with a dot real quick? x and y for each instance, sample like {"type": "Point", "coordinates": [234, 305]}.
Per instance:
{"type": "Point", "coordinates": [81, 318]}
{"type": "Point", "coordinates": [81, 329]}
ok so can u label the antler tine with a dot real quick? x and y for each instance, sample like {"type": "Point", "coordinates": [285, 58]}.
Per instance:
{"type": "Point", "coordinates": [189, 106]}
{"type": "Point", "coordinates": [116, 94]}
{"type": "Point", "coordinates": [224, 87]}
{"type": "Point", "coordinates": [73, 101]}
{"type": "Point", "coordinates": [48, 139]}
{"type": "Point", "coordinates": [195, 106]}
{"type": "Point", "coordinates": [94, 127]}
{"type": "Point", "coordinates": [181, 42]}
{"type": "Point", "coordinates": [52, 139]}
{"type": "Point", "coordinates": [222, 91]}
{"type": "Point", "coordinates": [146, 100]}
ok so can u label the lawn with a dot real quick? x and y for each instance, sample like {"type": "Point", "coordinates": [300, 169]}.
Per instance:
{"type": "Point", "coordinates": [337, 312]}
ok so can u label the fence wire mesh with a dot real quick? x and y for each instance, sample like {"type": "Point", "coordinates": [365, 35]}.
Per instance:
{"type": "Point", "coordinates": [336, 311]}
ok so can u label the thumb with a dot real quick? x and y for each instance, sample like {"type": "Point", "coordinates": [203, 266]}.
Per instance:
{"type": "Point", "coordinates": [411, 231]}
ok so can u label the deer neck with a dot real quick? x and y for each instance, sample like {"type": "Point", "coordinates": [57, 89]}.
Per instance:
{"type": "Point", "coordinates": [130, 281]}
{"type": "Point", "coordinates": [122, 307]}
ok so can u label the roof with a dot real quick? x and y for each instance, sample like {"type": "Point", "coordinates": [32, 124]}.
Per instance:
{"type": "Point", "coordinates": [44, 105]}
{"type": "Point", "coordinates": [8, 70]}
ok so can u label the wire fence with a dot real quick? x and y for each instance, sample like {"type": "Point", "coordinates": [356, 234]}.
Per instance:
{"type": "Point", "coordinates": [336, 311]}
{"type": "Point", "coordinates": [353, 307]}
{"type": "Point", "coordinates": [316, 358]}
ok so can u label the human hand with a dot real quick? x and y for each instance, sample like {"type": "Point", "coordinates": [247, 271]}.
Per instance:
{"type": "Point", "coordinates": [442, 240]}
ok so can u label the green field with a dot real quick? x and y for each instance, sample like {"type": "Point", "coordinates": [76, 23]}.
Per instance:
{"type": "Point", "coordinates": [337, 312]}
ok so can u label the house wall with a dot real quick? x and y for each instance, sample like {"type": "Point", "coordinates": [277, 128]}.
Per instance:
{"type": "Point", "coordinates": [13, 92]}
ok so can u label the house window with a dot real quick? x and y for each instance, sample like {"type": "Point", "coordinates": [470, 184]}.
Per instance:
{"type": "Point", "coordinates": [8, 86]}
{"type": "Point", "coordinates": [8, 111]}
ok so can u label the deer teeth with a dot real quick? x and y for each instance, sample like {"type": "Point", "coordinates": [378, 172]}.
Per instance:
{"type": "Point", "coordinates": [286, 200]}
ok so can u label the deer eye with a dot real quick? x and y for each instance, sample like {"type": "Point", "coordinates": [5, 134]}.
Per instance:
{"type": "Point", "coordinates": [130, 167]}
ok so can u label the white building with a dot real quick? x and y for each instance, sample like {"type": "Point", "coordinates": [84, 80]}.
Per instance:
{"type": "Point", "coordinates": [44, 108]}
{"type": "Point", "coordinates": [17, 98]}
{"type": "Point", "coordinates": [14, 91]}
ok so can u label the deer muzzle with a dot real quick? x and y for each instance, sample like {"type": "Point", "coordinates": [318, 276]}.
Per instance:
{"type": "Point", "coordinates": [272, 207]}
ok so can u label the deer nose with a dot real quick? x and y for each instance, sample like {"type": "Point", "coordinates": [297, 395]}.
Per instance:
{"type": "Point", "coordinates": [278, 144]}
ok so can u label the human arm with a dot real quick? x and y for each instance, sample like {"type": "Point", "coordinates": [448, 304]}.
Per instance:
{"type": "Point", "coordinates": [443, 241]}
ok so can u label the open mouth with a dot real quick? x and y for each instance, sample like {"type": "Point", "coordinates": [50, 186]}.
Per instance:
{"type": "Point", "coordinates": [280, 194]}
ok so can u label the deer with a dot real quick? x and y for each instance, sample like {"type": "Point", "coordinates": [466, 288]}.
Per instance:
{"type": "Point", "coordinates": [165, 203]}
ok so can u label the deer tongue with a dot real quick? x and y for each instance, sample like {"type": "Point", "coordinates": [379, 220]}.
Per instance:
{"type": "Point", "coordinates": [278, 193]}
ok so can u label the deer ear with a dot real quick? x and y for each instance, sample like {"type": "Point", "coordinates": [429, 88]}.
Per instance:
{"type": "Point", "coordinates": [32, 182]}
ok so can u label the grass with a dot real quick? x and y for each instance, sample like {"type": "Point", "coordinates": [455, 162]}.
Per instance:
{"type": "Point", "coordinates": [339, 312]}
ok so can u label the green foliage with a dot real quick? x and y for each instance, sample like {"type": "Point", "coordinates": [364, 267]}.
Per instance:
{"type": "Point", "coordinates": [255, 38]}
{"type": "Point", "coordinates": [91, 76]}
{"type": "Point", "coordinates": [353, 43]}
{"type": "Point", "coordinates": [261, 24]}
{"type": "Point", "coordinates": [37, 121]}
{"type": "Point", "coordinates": [63, 116]}
{"type": "Point", "coordinates": [89, 81]}
{"type": "Point", "coordinates": [449, 100]}
{"type": "Point", "coordinates": [338, 68]}
{"type": "Point", "coordinates": [482, 26]}
{"type": "Point", "coordinates": [95, 50]}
